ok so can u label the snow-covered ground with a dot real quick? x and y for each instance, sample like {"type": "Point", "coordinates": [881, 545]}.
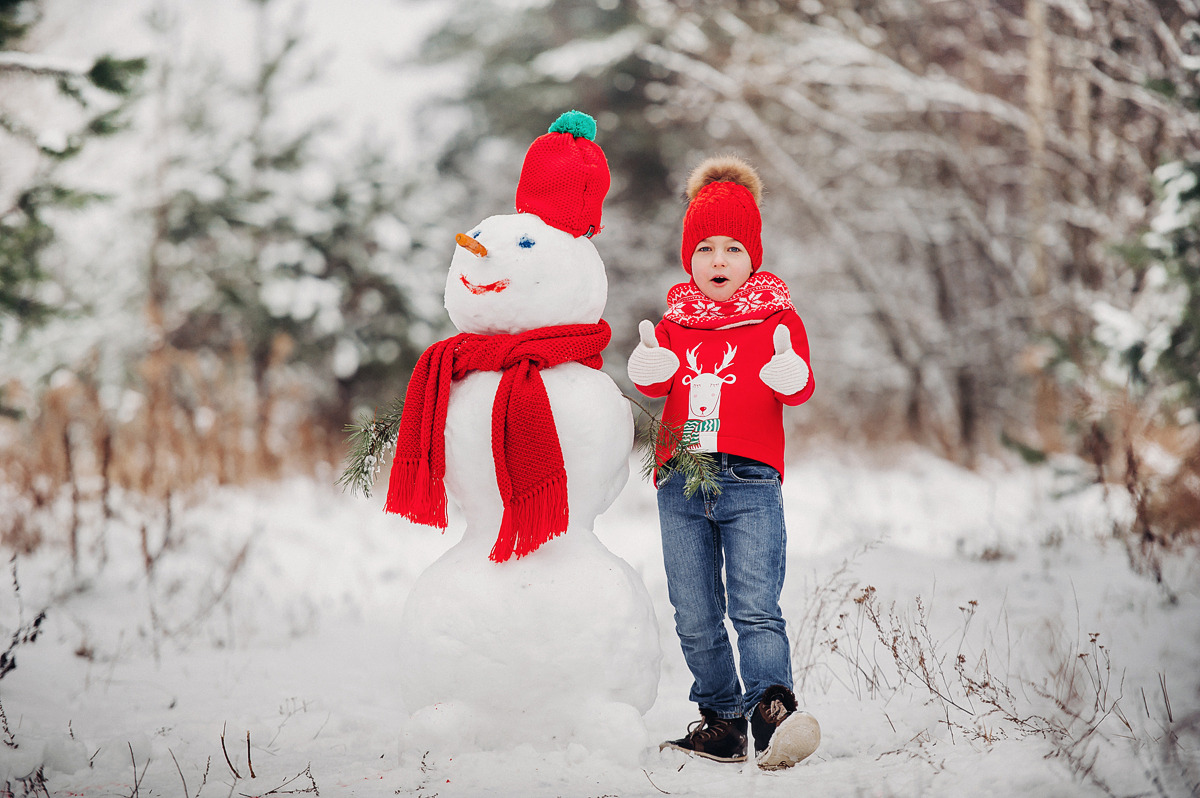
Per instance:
{"type": "Point", "coordinates": [263, 640]}
{"type": "Point", "coordinates": [247, 644]}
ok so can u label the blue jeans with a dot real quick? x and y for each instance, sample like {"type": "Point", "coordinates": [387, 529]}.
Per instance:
{"type": "Point", "coordinates": [741, 531]}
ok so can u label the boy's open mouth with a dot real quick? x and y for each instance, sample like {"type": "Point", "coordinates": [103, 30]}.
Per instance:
{"type": "Point", "coordinates": [720, 280]}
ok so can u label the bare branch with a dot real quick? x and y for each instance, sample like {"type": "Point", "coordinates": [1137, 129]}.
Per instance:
{"type": "Point", "coordinates": [38, 64]}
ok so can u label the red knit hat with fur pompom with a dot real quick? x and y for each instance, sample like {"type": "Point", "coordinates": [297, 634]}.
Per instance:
{"type": "Point", "coordinates": [565, 176]}
{"type": "Point", "coordinates": [723, 195]}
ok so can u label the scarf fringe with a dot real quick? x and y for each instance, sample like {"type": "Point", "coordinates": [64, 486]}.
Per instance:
{"type": "Point", "coordinates": [416, 495]}
{"type": "Point", "coordinates": [530, 520]}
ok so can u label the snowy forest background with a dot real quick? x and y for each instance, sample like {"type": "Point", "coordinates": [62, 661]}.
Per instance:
{"type": "Point", "coordinates": [225, 227]}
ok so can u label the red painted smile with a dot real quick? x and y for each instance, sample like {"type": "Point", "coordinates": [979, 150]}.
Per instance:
{"type": "Point", "coordinates": [495, 287]}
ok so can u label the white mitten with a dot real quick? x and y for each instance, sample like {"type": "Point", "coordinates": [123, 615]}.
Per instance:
{"type": "Point", "coordinates": [650, 363]}
{"type": "Point", "coordinates": [786, 373]}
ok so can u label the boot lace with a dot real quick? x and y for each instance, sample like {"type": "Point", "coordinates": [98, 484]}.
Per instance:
{"type": "Point", "coordinates": [707, 729]}
{"type": "Point", "coordinates": [775, 712]}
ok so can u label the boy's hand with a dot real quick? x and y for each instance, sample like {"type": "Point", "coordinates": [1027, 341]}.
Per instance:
{"type": "Point", "coordinates": [786, 373]}
{"type": "Point", "coordinates": [650, 363]}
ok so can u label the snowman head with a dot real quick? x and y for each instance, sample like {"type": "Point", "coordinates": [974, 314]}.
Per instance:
{"type": "Point", "coordinates": [538, 268]}
{"type": "Point", "coordinates": [515, 273]}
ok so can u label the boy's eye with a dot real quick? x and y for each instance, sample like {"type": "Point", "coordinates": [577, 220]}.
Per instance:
{"type": "Point", "coordinates": [526, 242]}
{"type": "Point", "coordinates": [735, 249]}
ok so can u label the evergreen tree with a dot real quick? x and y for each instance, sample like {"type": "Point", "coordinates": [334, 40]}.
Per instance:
{"type": "Point", "coordinates": [1152, 348]}
{"type": "Point", "coordinates": [1174, 237]}
{"type": "Point", "coordinates": [1177, 246]}
{"type": "Point", "coordinates": [263, 247]}
{"type": "Point", "coordinates": [1151, 343]}
{"type": "Point", "coordinates": [100, 91]}
{"type": "Point", "coordinates": [1141, 393]}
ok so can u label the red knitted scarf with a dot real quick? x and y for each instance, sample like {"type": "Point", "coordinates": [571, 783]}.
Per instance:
{"type": "Point", "coordinates": [762, 295]}
{"type": "Point", "coordinates": [525, 447]}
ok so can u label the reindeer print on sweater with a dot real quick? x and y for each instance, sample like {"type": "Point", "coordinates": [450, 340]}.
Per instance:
{"type": "Point", "coordinates": [704, 400]}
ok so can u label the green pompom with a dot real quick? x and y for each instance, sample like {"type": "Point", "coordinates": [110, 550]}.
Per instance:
{"type": "Point", "coordinates": [577, 123]}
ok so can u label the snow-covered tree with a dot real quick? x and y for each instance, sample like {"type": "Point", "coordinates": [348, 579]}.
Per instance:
{"type": "Point", "coordinates": [50, 109]}
{"type": "Point", "coordinates": [1155, 342]}
{"type": "Point", "coordinates": [1138, 375]}
{"type": "Point", "coordinates": [265, 247]}
{"type": "Point", "coordinates": [243, 292]}
{"type": "Point", "coordinates": [1142, 400]}
{"type": "Point", "coordinates": [944, 178]}
{"type": "Point", "coordinates": [965, 165]}
{"type": "Point", "coordinates": [521, 65]}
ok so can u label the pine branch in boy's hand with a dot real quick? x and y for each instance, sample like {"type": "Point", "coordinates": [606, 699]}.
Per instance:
{"type": "Point", "coordinates": [786, 372]}
{"type": "Point", "coordinates": [650, 363]}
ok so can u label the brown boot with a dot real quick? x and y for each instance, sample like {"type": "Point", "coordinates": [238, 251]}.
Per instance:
{"type": "Point", "coordinates": [719, 739]}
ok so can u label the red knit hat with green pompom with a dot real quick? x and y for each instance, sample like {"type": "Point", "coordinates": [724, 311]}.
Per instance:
{"type": "Point", "coordinates": [723, 195]}
{"type": "Point", "coordinates": [565, 176]}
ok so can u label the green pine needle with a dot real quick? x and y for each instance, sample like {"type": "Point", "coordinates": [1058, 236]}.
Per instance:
{"type": "Point", "coordinates": [370, 438]}
{"type": "Point", "coordinates": [698, 468]}
{"type": "Point", "coordinates": [375, 433]}
{"type": "Point", "coordinates": [117, 75]}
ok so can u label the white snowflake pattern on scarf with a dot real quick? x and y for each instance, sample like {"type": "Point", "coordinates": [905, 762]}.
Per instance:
{"type": "Point", "coordinates": [760, 296]}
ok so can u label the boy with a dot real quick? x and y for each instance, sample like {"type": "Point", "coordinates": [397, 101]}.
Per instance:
{"type": "Point", "coordinates": [744, 356]}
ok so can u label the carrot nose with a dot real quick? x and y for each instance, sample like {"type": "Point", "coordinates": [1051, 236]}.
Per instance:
{"type": "Point", "coordinates": [466, 242]}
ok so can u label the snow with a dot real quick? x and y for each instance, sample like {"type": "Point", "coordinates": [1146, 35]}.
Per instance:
{"type": "Point", "coordinates": [275, 610]}
{"type": "Point", "coordinates": [566, 63]}
{"type": "Point", "coordinates": [1174, 212]}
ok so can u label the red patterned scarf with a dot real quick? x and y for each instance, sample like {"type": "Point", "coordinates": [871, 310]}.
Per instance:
{"type": "Point", "coordinates": [525, 447]}
{"type": "Point", "coordinates": [759, 297]}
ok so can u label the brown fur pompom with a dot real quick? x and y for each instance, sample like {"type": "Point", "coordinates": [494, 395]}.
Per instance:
{"type": "Point", "coordinates": [724, 169]}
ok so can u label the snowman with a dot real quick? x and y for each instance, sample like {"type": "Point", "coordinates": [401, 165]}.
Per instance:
{"type": "Point", "coordinates": [529, 630]}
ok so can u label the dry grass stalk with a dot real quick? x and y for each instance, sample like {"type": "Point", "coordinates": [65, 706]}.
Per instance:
{"type": "Point", "coordinates": [35, 783]}
{"type": "Point", "coordinates": [879, 651]}
{"type": "Point", "coordinates": [308, 782]}
{"type": "Point", "coordinates": [1157, 462]}
{"type": "Point", "coordinates": [194, 421]}
{"type": "Point", "coordinates": [811, 632]}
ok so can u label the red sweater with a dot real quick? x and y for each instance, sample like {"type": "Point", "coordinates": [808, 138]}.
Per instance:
{"type": "Point", "coordinates": [717, 397]}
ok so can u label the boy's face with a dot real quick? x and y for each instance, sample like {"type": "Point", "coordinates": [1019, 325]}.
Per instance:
{"type": "Point", "coordinates": [720, 266]}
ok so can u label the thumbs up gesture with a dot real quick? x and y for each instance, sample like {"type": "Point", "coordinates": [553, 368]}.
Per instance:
{"type": "Point", "coordinates": [786, 373]}
{"type": "Point", "coordinates": [650, 363]}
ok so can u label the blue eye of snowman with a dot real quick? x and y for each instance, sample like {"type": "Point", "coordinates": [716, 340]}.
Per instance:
{"type": "Point", "coordinates": [476, 234]}
{"type": "Point", "coordinates": [526, 242]}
